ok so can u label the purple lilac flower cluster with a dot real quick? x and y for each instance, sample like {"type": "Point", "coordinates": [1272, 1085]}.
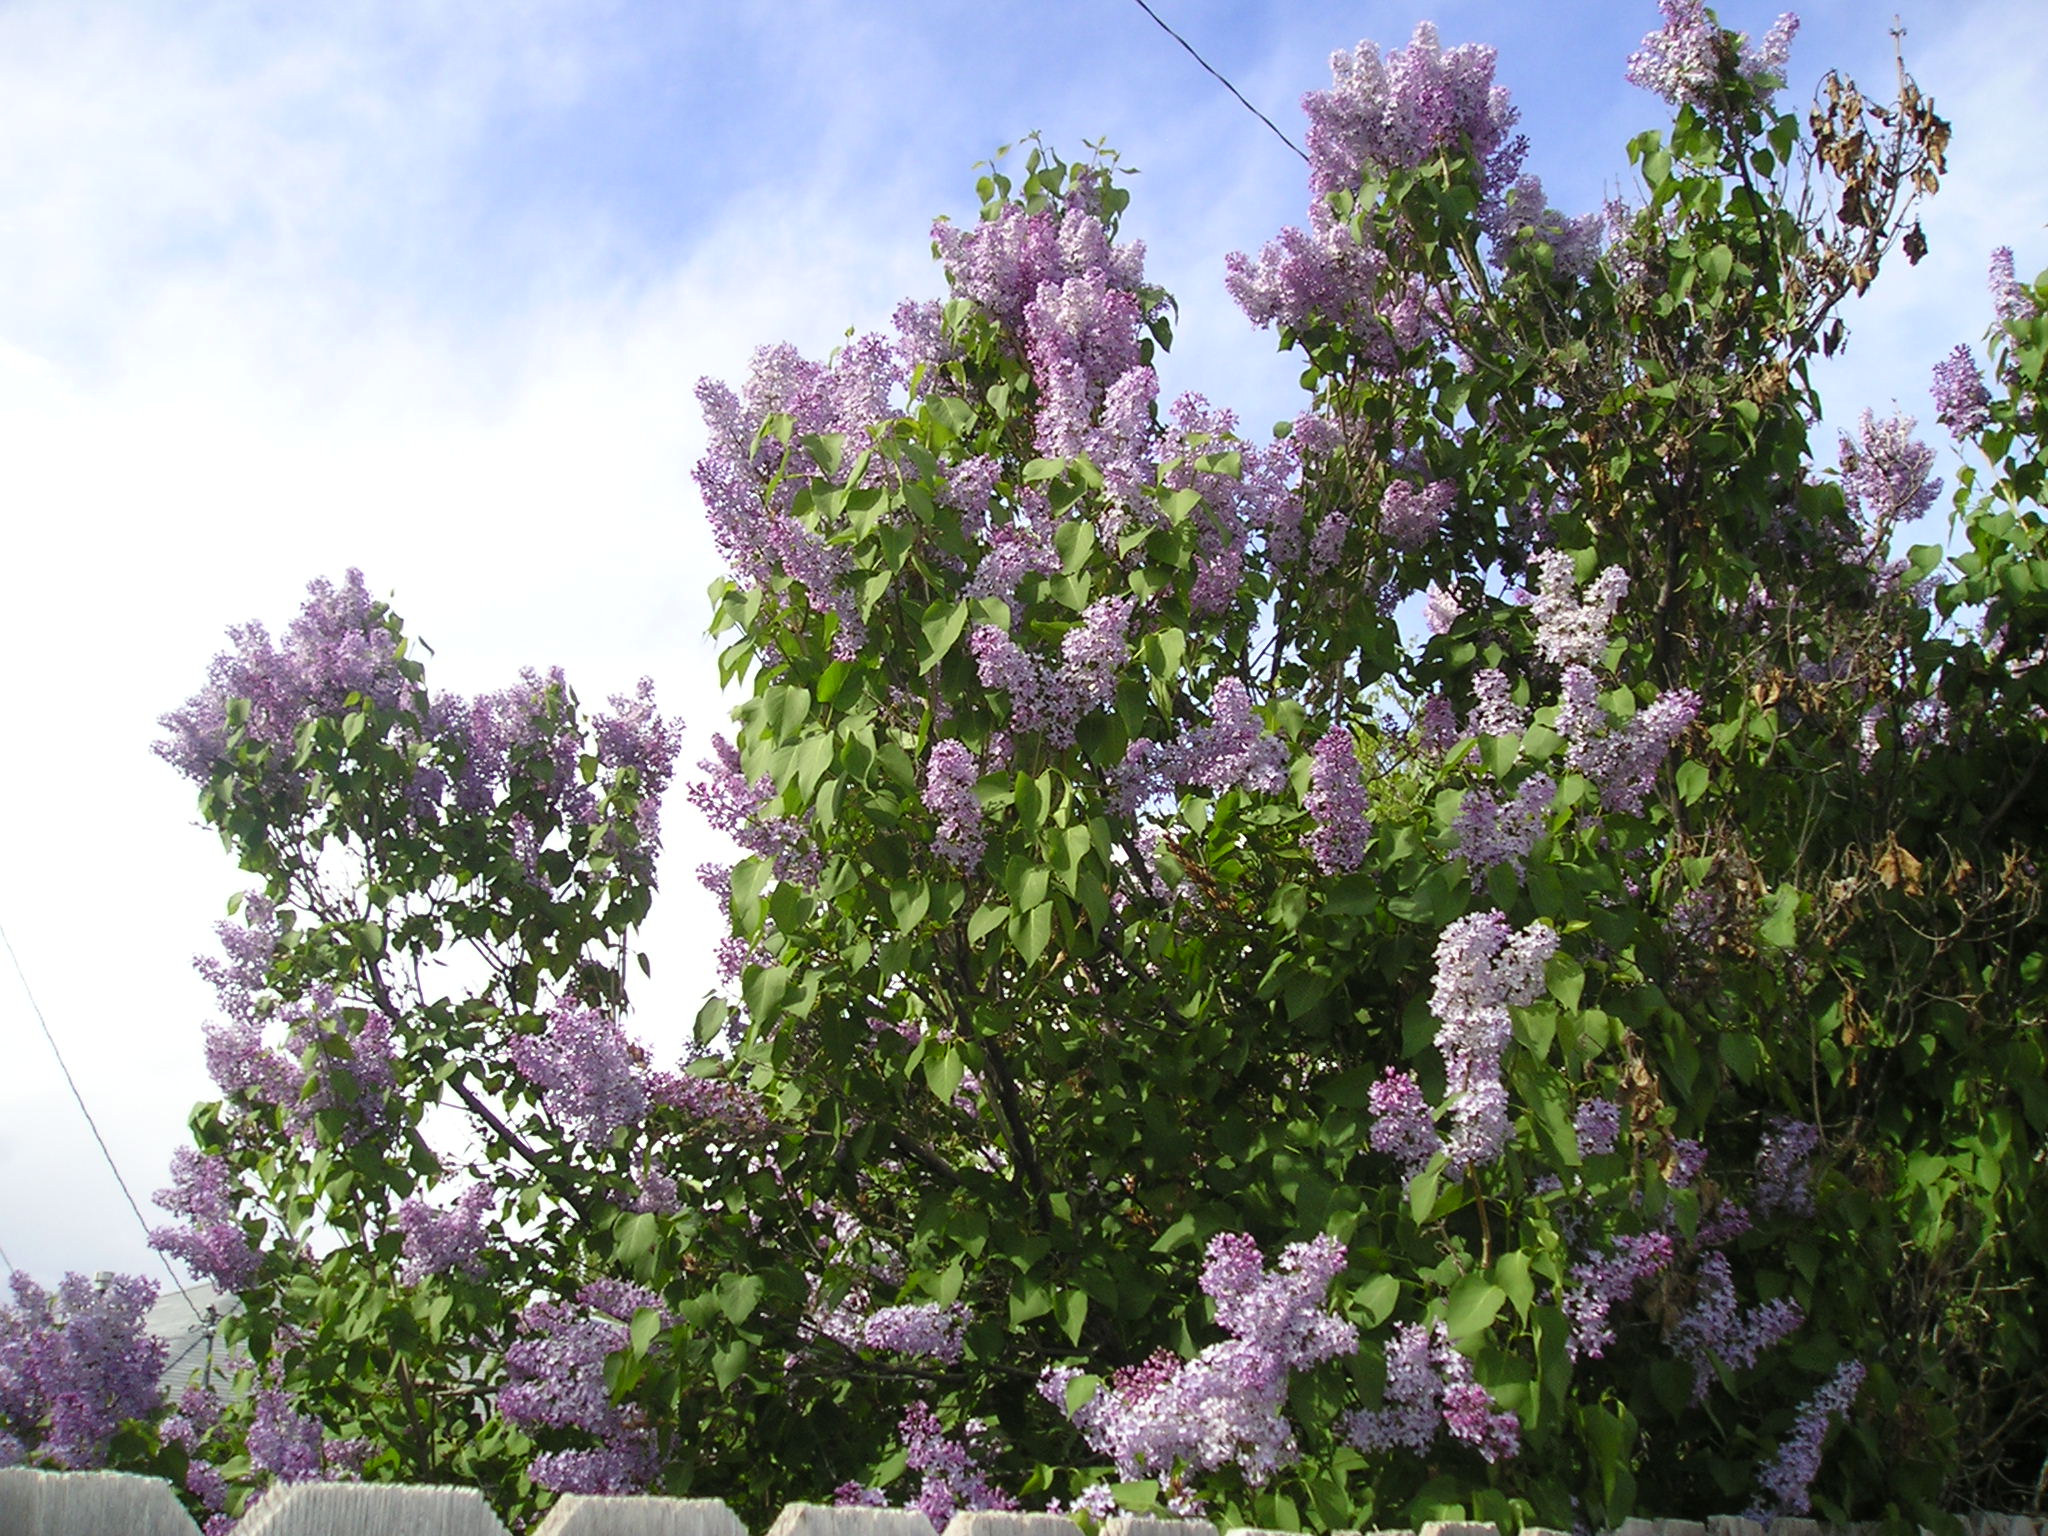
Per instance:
{"type": "Point", "coordinates": [749, 495]}
{"type": "Point", "coordinates": [1224, 1406]}
{"type": "Point", "coordinates": [1715, 1326]}
{"type": "Point", "coordinates": [1885, 477]}
{"type": "Point", "coordinates": [1483, 968]}
{"type": "Point", "coordinates": [1621, 761]}
{"type": "Point", "coordinates": [1380, 113]}
{"type": "Point", "coordinates": [1336, 802]}
{"type": "Point", "coordinates": [583, 1065]}
{"type": "Point", "coordinates": [1784, 1168]}
{"type": "Point", "coordinates": [1490, 833]}
{"type": "Point", "coordinates": [734, 805]}
{"type": "Point", "coordinates": [726, 1108]}
{"type": "Point", "coordinates": [211, 1243]}
{"type": "Point", "coordinates": [1410, 514]}
{"type": "Point", "coordinates": [1569, 629]}
{"type": "Point", "coordinates": [1010, 552]}
{"type": "Point", "coordinates": [74, 1365]}
{"type": "Point", "coordinates": [1403, 1126]}
{"type": "Point", "coordinates": [1078, 301]}
{"type": "Point", "coordinates": [1436, 725]}
{"type": "Point", "coordinates": [437, 1241]}
{"type": "Point", "coordinates": [555, 1380]}
{"type": "Point", "coordinates": [1262, 499]}
{"type": "Point", "coordinates": [1598, 1285]}
{"type": "Point", "coordinates": [924, 1330]}
{"type": "Point", "coordinates": [1054, 700]}
{"type": "Point", "coordinates": [949, 778]}
{"type": "Point", "coordinates": [1682, 60]}
{"type": "Point", "coordinates": [953, 1479]}
{"type": "Point", "coordinates": [2011, 300]}
{"type": "Point", "coordinates": [1961, 402]}
{"type": "Point", "coordinates": [343, 644]}
{"type": "Point", "coordinates": [1440, 609]}
{"type": "Point", "coordinates": [1234, 750]}
{"type": "Point", "coordinates": [1787, 1479]}
{"type": "Point", "coordinates": [1596, 1123]}
{"type": "Point", "coordinates": [1430, 1389]}
{"type": "Point", "coordinates": [293, 1447]}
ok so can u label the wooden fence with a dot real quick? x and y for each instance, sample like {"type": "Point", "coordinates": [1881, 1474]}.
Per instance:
{"type": "Point", "coordinates": [35, 1503]}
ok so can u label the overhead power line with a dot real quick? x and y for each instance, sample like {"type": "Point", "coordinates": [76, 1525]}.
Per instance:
{"type": "Point", "coordinates": [1255, 112]}
{"type": "Point", "coordinates": [105, 1151]}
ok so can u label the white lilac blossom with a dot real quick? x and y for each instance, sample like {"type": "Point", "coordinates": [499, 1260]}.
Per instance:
{"type": "Point", "coordinates": [1430, 1389]}
{"type": "Point", "coordinates": [1336, 801]}
{"type": "Point", "coordinates": [1483, 968]}
{"type": "Point", "coordinates": [583, 1066]}
{"type": "Point", "coordinates": [1403, 1127]}
{"type": "Point", "coordinates": [1489, 833]}
{"type": "Point", "coordinates": [949, 778]}
{"type": "Point", "coordinates": [1224, 1407]}
{"type": "Point", "coordinates": [1787, 1478]}
{"type": "Point", "coordinates": [1568, 629]}
{"type": "Point", "coordinates": [1497, 713]}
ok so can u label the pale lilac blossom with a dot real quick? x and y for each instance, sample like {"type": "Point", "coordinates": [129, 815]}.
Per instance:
{"type": "Point", "coordinates": [1569, 629]}
{"type": "Point", "coordinates": [1336, 800]}
{"type": "Point", "coordinates": [1961, 402]}
{"type": "Point", "coordinates": [1403, 1127]}
{"type": "Point", "coordinates": [1224, 1407]}
{"type": "Point", "coordinates": [582, 1063]}
{"type": "Point", "coordinates": [440, 1240]}
{"type": "Point", "coordinates": [1430, 1389]}
{"type": "Point", "coordinates": [1497, 713]}
{"type": "Point", "coordinates": [949, 779]}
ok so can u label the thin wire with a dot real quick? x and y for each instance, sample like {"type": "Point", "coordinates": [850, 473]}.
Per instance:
{"type": "Point", "coordinates": [6, 1261]}
{"type": "Point", "coordinates": [1255, 112]}
{"type": "Point", "coordinates": [105, 1151]}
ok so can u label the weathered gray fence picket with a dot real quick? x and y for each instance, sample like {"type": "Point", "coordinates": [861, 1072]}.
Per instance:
{"type": "Point", "coordinates": [36, 1503]}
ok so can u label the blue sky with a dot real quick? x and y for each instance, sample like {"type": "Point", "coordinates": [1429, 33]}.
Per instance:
{"type": "Point", "coordinates": [425, 288]}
